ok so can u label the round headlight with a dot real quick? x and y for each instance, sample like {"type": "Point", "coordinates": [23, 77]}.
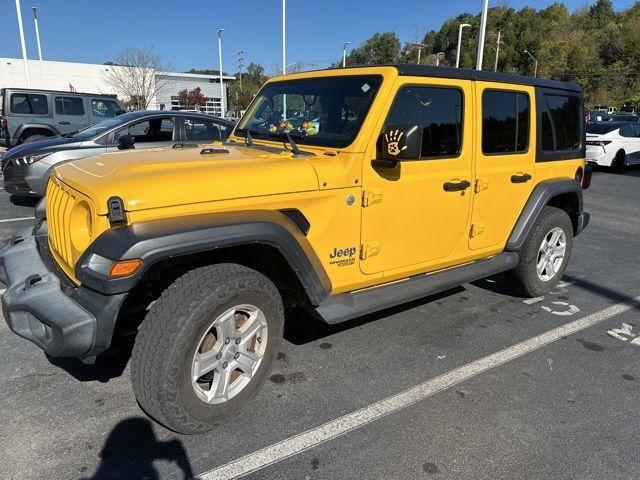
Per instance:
{"type": "Point", "coordinates": [80, 226]}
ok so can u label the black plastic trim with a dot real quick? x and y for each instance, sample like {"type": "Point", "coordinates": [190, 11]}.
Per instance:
{"type": "Point", "coordinates": [539, 198]}
{"type": "Point", "coordinates": [299, 219]}
{"type": "Point", "coordinates": [345, 306]}
{"type": "Point", "coordinates": [156, 240]}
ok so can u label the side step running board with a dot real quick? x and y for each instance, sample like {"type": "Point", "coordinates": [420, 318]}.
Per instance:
{"type": "Point", "coordinates": [345, 306]}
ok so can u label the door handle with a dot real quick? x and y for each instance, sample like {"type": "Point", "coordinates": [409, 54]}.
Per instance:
{"type": "Point", "coordinates": [524, 178]}
{"type": "Point", "coordinates": [64, 122]}
{"type": "Point", "coordinates": [456, 186]}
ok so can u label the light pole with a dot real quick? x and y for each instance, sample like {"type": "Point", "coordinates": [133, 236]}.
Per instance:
{"type": "Point", "coordinates": [419, 46]}
{"type": "Point", "coordinates": [535, 71]}
{"type": "Point", "coordinates": [35, 21]}
{"type": "Point", "coordinates": [344, 53]}
{"type": "Point", "coordinates": [438, 58]}
{"type": "Point", "coordinates": [240, 65]}
{"type": "Point", "coordinates": [24, 48]}
{"type": "Point", "coordinates": [495, 66]}
{"type": "Point", "coordinates": [284, 54]}
{"type": "Point", "coordinates": [222, 102]}
{"type": "Point", "coordinates": [460, 28]}
{"type": "Point", "coordinates": [483, 31]}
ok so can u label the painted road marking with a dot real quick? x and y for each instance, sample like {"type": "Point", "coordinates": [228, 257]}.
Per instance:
{"type": "Point", "coordinates": [349, 422]}
{"type": "Point", "coordinates": [570, 310]}
{"type": "Point", "coordinates": [2, 291]}
{"type": "Point", "coordinates": [531, 301]}
{"type": "Point", "coordinates": [625, 333]}
{"type": "Point", "coordinates": [16, 219]}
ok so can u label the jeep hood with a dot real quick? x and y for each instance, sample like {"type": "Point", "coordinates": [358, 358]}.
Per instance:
{"type": "Point", "coordinates": [153, 178]}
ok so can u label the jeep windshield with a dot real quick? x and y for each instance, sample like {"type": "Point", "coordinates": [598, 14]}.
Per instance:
{"type": "Point", "coordinates": [321, 111]}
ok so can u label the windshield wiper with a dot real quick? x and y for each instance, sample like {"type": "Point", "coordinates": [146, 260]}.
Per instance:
{"type": "Point", "coordinates": [288, 137]}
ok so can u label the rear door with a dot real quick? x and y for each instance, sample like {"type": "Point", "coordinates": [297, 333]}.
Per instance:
{"type": "Point", "coordinates": [409, 221]}
{"type": "Point", "coordinates": [505, 162]}
{"type": "Point", "coordinates": [69, 113]}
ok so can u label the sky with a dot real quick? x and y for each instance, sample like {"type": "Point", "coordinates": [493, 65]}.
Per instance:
{"type": "Point", "coordinates": [185, 33]}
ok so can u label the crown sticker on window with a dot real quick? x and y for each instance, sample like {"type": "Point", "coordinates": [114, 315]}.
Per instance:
{"type": "Point", "coordinates": [365, 88]}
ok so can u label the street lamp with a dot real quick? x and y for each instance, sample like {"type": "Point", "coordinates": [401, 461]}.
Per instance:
{"type": "Point", "coordinates": [344, 53]}
{"type": "Point", "coordinates": [535, 71]}
{"type": "Point", "coordinates": [35, 20]}
{"type": "Point", "coordinates": [460, 28]}
{"type": "Point", "coordinates": [419, 46]}
{"type": "Point", "coordinates": [438, 58]}
{"type": "Point", "coordinates": [284, 37]}
{"type": "Point", "coordinates": [483, 31]}
{"type": "Point", "coordinates": [24, 48]}
{"type": "Point", "coordinates": [222, 109]}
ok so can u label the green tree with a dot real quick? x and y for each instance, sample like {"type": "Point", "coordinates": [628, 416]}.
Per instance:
{"type": "Point", "coordinates": [380, 49]}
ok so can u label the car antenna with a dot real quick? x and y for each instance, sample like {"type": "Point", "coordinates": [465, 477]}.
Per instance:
{"type": "Point", "coordinates": [249, 139]}
{"type": "Point", "coordinates": [294, 147]}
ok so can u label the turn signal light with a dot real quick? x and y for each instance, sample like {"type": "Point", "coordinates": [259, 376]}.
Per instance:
{"type": "Point", "coordinates": [124, 268]}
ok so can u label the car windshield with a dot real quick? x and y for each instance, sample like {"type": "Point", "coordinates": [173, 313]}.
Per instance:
{"type": "Point", "coordinates": [322, 111]}
{"type": "Point", "coordinates": [601, 128]}
{"type": "Point", "coordinates": [101, 127]}
{"type": "Point", "coordinates": [625, 118]}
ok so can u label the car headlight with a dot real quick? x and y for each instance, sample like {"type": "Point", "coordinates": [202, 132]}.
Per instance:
{"type": "Point", "coordinates": [29, 159]}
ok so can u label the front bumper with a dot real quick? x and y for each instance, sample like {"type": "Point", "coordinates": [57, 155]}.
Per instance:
{"type": "Point", "coordinates": [61, 319]}
{"type": "Point", "coordinates": [15, 181]}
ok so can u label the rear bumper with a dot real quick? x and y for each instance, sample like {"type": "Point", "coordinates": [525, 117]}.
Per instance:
{"type": "Point", "coordinates": [599, 156]}
{"type": "Point", "coordinates": [63, 320]}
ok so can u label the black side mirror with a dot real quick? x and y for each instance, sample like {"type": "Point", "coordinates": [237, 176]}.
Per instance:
{"type": "Point", "coordinates": [401, 142]}
{"type": "Point", "coordinates": [126, 142]}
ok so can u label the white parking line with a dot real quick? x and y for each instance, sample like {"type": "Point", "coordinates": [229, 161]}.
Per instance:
{"type": "Point", "coordinates": [341, 425]}
{"type": "Point", "coordinates": [2, 290]}
{"type": "Point", "coordinates": [16, 219]}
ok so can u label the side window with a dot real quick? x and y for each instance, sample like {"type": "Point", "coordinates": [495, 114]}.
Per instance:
{"type": "Point", "coordinates": [154, 130]}
{"type": "Point", "coordinates": [105, 108]}
{"type": "Point", "coordinates": [202, 129]}
{"type": "Point", "coordinates": [29, 104]}
{"type": "Point", "coordinates": [438, 111]}
{"type": "Point", "coordinates": [505, 122]}
{"type": "Point", "coordinates": [69, 106]}
{"type": "Point", "coordinates": [561, 123]}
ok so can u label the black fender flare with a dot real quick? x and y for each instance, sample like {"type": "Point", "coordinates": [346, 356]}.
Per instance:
{"type": "Point", "coordinates": [40, 126]}
{"type": "Point", "coordinates": [156, 240]}
{"type": "Point", "coordinates": [542, 194]}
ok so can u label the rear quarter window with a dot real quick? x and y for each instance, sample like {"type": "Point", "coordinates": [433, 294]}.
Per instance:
{"type": "Point", "coordinates": [560, 125]}
{"type": "Point", "coordinates": [29, 104]}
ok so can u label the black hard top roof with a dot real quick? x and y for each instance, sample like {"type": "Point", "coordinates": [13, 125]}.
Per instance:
{"type": "Point", "coordinates": [481, 75]}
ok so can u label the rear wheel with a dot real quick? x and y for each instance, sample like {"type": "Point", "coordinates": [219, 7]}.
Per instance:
{"type": "Point", "coordinates": [34, 138]}
{"type": "Point", "coordinates": [544, 255]}
{"type": "Point", "coordinates": [619, 161]}
{"type": "Point", "coordinates": [206, 346]}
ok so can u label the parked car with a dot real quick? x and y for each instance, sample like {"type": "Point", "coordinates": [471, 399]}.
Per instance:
{"type": "Point", "coordinates": [26, 167]}
{"type": "Point", "coordinates": [620, 117]}
{"type": "Point", "coordinates": [28, 115]}
{"type": "Point", "coordinates": [415, 180]}
{"type": "Point", "coordinates": [613, 144]}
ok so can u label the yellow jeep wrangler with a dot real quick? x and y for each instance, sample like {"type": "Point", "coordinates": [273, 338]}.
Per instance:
{"type": "Point", "coordinates": [344, 191]}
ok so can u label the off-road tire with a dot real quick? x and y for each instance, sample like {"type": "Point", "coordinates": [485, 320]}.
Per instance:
{"type": "Point", "coordinates": [168, 337]}
{"type": "Point", "coordinates": [524, 279]}
{"type": "Point", "coordinates": [34, 138]}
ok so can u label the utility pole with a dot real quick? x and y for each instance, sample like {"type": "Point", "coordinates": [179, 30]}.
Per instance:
{"type": "Point", "coordinates": [483, 32]}
{"type": "Point", "coordinates": [35, 20]}
{"type": "Point", "coordinates": [24, 48]}
{"type": "Point", "coordinates": [460, 28]}
{"type": "Point", "coordinates": [535, 71]}
{"type": "Point", "coordinates": [222, 95]}
{"type": "Point", "coordinates": [240, 65]}
{"type": "Point", "coordinates": [495, 67]}
{"type": "Point", "coordinates": [419, 46]}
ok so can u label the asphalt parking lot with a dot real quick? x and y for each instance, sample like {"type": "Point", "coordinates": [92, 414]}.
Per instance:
{"type": "Point", "coordinates": [472, 384]}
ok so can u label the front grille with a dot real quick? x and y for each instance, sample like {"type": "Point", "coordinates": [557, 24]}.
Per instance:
{"type": "Point", "coordinates": [60, 202]}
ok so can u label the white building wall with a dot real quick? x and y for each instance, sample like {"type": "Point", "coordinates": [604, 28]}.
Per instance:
{"type": "Point", "coordinates": [90, 78]}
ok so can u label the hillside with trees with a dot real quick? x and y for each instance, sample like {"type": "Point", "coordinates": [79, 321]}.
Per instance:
{"type": "Point", "coordinates": [595, 47]}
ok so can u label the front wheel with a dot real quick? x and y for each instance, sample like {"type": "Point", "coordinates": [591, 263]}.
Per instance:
{"type": "Point", "coordinates": [545, 254]}
{"type": "Point", "coordinates": [206, 346]}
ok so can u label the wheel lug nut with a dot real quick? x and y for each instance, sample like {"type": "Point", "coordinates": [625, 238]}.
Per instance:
{"type": "Point", "coordinates": [227, 340]}
{"type": "Point", "coordinates": [237, 341]}
{"type": "Point", "coordinates": [218, 356]}
{"type": "Point", "coordinates": [236, 356]}
{"type": "Point", "coordinates": [225, 364]}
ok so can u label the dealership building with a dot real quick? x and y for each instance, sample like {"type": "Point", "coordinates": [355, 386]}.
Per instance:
{"type": "Point", "coordinates": [92, 78]}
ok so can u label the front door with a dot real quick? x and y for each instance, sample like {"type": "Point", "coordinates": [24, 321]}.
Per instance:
{"type": "Point", "coordinates": [505, 162]}
{"type": "Point", "coordinates": [409, 221]}
{"type": "Point", "coordinates": [69, 113]}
